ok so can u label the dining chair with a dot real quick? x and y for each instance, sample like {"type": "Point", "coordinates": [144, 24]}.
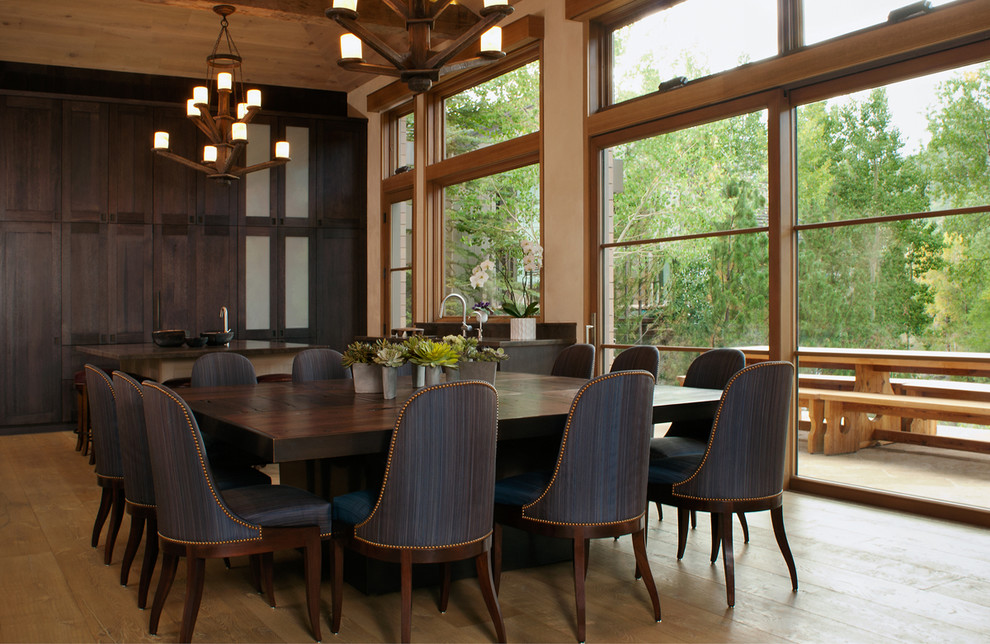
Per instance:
{"type": "Point", "coordinates": [435, 503]}
{"type": "Point", "coordinates": [689, 438]}
{"type": "Point", "coordinates": [318, 364]}
{"type": "Point", "coordinates": [576, 361]}
{"type": "Point", "coordinates": [139, 489]}
{"type": "Point", "coordinates": [197, 520]}
{"type": "Point", "coordinates": [598, 487]}
{"type": "Point", "coordinates": [742, 469]}
{"type": "Point", "coordinates": [109, 468]}
{"type": "Point", "coordinates": [645, 358]}
{"type": "Point", "coordinates": [222, 369]}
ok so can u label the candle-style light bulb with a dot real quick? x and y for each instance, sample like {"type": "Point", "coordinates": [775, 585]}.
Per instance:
{"type": "Point", "coordinates": [495, 3]}
{"type": "Point", "coordinates": [345, 4]}
{"type": "Point", "coordinates": [161, 140]}
{"type": "Point", "coordinates": [491, 40]}
{"type": "Point", "coordinates": [238, 131]}
{"type": "Point", "coordinates": [210, 153]}
{"type": "Point", "coordinates": [350, 47]}
{"type": "Point", "coordinates": [241, 111]}
{"type": "Point", "coordinates": [201, 95]}
{"type": "Point", "coordinates": [191, 109]}
{"type": "Point", "coordinates": [224, 80]}
{"type": "Point", "coordinates": [282, 150]}
{"type": "Point", "coordinates": [254, 98]}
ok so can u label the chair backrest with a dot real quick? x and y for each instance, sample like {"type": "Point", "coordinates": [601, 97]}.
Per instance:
{"type": "Point", "coordinates": [139, 486]}
{"type": "Point", "coordinates": [711, 370]}
{"type": "Point", "coordinates": [190, 506]}
{"type": "Point", "coordinates": [644, 358]}
{"type": "Point", "coordinates": [439, 483]}
{"type": "Point", "coordinates": [576, 361]}
{"type": "Point", "coordinates": [602, 466]}
{"type": "Point", "coordinates": [221, 369]}
{"type": "Point", "coordinates": [103, 417]}
{"type": "Point", "coordinates": [318, 364]}
{"type": "Point", "coordinates": [745, 455]}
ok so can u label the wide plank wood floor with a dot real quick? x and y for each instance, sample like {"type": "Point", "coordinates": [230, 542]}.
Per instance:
{"type": "Point", "coordinates": [866, 575]}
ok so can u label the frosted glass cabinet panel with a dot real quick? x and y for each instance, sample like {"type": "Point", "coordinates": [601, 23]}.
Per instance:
{"type": "Point", "coordinates": [258, 184]}
{"type": "Point", "coordinates": [297, 282]}
{"type": "Point", "coordinates": [297, 173]}
{"type": "Point", "coordinates": [257, 279]}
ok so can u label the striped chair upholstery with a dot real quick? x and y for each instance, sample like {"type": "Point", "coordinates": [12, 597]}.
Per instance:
{"type": "Point", "coordinates": [576, 361]}
{"type": "Point", "coordinates": [221, 369]}
{"type": "Point", "coordinates": [318, 364]}
{"type": "Point", "coordinates": [435, 504]}
{"type": "Point", "coordinates": [106, 447]}
{"type": "Point", "coordinates": [598, 486]}
{"type": "Point", "coordinates": [645, 358]}
{"type": "Point", "coordinates": [742, 469]}
{"type": "Point", "coordinates": [198, 521]}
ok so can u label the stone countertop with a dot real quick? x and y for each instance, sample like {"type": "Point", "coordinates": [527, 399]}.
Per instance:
{"type": "Point", "coordinates": [150, 350]}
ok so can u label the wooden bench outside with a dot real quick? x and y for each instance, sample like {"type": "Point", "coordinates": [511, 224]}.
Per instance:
{"type": "Point", "coordinates": [832, 432]}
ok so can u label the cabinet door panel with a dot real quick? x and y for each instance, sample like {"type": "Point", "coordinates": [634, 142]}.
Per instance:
{"type": "Point", "coordinates": [84, 162]}
{"type": "Point", "coordinates": [340, 289]}
{"type": "Point", "coordinates": [85, 290]}
{"type": "Point", "coordinates": [174, 279]}
{"type": "Point", "coordinates": [257, 291]}
{"type": "Point", "coordinates": [29, 329]}
{"type": "Point", "coordinates": [175, 184]}
{"type": "Point", "coordinates": [216, 277]}
{"type": "Point", "coordinates": [30, 158]}
{"type": "Point", "coordinates": [130, 165]}
{"type": "Point", "coordinates": [296, 284]}
{"type": "Point", "coordinates": [131, 280]}
{"type": "Point", "coordinates": [342, 160]}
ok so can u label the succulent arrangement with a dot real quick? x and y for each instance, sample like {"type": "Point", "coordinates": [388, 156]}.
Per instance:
{"type": "Point", "coordinates": [430, 353]}
{"type": "Point", "coordinates": [390, 354]}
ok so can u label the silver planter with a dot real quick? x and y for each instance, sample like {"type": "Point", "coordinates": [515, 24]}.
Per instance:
{"type": "Point", "coordinates": [367, 378]}
{"type": "Point", "coordinates": [478, 371]}
{"type": "Point", "coordinates": [433, 376]}
{"type": "Point", "coordinates": [390, 382]}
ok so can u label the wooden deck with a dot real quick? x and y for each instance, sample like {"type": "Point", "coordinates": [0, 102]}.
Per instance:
{"type": "Point", "coordinates": [866, 575]}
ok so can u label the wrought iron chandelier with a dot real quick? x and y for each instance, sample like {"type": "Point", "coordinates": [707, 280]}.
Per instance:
{"type": "Point", "coordinates": [421, 66]}
{"type": "Point", "coordinates": [227, 131]}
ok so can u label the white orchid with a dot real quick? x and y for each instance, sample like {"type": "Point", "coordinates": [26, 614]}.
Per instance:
{"type": "Point", "coordinates": [479, 279]}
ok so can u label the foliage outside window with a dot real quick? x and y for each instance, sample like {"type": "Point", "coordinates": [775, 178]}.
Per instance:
{"type": "Point", "coordinates": [495, 219]}
{"type": "Point", "coordinates": [899, 283]}
{"type": "Point", "coordinates": [403, 143]}
{"type": "Point", "coordinates": [691, 39]}
{"type": "Point", "coordinates": [400, 233]}
{"type": "Point", "coordinates": [706, 290]}
{"type": "Point", "coordinates": [824, 19]}
{"type": "Point", "coordinates": [498, 110]}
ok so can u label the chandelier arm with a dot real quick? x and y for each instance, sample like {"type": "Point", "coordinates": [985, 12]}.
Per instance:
{"type": "Point", "coordinates": [398, 7]}
{"type": "Point", "coordinates": [438, 8]}
{"type": "Point", "coordinates": [369, 68]}
{"type": "Point", "coordinates": [467, 63]}
{"type": "Point", "coordinates": [251, 111]}
{"type": "Point", "coordinates": [465, 39]}
{"type": "Point", "coordinates": [206, 123]}
{"type": "Point", "coordinates": [274, 163]}
{"type": "Point", "coordinates": [231, 152]}
{"type": "Point", "coordinates": [184, 161]}
{"type": "Point", "coordinates": [370, 39]}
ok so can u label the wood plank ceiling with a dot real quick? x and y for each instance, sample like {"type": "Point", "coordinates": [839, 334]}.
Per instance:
{"type": "Point", "coordinates": [283, 42]}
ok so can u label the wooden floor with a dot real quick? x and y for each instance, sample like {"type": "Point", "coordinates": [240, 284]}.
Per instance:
{"type": "Point", "coordinates": [866, 576]}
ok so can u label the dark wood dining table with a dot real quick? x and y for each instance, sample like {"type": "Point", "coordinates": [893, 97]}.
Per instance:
{"type": "Point", "coordinates": [282, 422]}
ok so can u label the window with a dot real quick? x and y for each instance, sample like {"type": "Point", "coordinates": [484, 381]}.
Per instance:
{"type": "Point", "coordinates": [402, 141]}
{"type": "Point", "coordinates": [685, 253]}
{"type": "Point", "coordinates": [400, 261]}
{"type": "Point", "coordinates": [824, 19]}
{"type": "Point", "coordinates": [690, 39]}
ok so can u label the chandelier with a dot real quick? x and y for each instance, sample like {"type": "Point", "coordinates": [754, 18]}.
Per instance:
{"type": "Point", "coordinates": [420, 67]}
{"type": "Point", "coordinates": [226, 131]}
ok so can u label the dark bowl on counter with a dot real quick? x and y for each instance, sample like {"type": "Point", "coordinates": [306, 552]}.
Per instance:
{"type": "Point", "coordinates": [217, 338]}
{"type": "Point", "coordinates": [195, 342]}
{"type": "Point", "coordinates": [169, 337]}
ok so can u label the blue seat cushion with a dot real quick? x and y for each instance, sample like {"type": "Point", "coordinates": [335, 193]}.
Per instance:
{"type": "Point", "coordinates": [673, 470]}
{"type": "Point", "coordinates": [671, 446]}
{"type": "Point", "coordinates": [228, 477]}
{"type": "Point", "coordinates": [279, 506]}
{"type": "Point", "coordinates": [355, 507]}
{"type": "Point", "coordinates": [521, 489]}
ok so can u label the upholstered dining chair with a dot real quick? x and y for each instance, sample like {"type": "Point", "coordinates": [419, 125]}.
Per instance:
{"type": "Point", "coordinates": [645, 358]}
{"type": "Point", "coordinates": [598, 487]}
{"type": "Point", "coordinates": [139, 487]}
{"type": "Point", "coordinates": [576, 361]}
{"type": "Point", "coordinates": [221, 369]}
{"type": "Point", "coordinates": [689, 438]}
{"type": "Point", "coordinates": [318, 364]}
{"type": "Point", "coordinates": [435, 503]}
{"type": "Point", "coordinates": [109, 468]}
{"type": "Point", "coordinates": [742, 469]}
{"type": "Point", "coordinates": [198, 521]}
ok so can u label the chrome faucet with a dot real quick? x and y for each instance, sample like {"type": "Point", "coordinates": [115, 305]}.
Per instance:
{"type": "Point", "coordinates": [465, 327]}
{"type": "Point", "coordinates": [223, 316]}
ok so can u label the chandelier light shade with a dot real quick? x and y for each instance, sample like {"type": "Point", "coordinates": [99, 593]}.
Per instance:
{"type": "Point", "coordinates": [421, 66]}
{"type": "Point", "coordinates": [226, 131]}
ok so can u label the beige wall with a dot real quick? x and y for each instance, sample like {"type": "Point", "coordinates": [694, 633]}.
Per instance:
{"type": "Point", "coordinates": [563, 154]}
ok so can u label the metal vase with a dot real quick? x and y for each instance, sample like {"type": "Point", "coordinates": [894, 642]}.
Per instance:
{"type": "Point", "coordinates": [390, 382]}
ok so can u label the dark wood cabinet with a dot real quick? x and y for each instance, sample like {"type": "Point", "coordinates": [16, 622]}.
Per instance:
{"type": "Point", "coordinates": [30, 158]}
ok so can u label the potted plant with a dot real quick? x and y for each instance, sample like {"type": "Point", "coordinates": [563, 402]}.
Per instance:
{"type": "Point", "coordinates": [524, 306]}
{"type": "Point", "coordinates": [482, 364]}
{"type": "Point", "coordinates": [465, 348]}
{"type": "Point", "coordinates": [433, 355]}
{"type": "Point", "coordinates": [359, 356]}
{"type": "Point", "coordinates": [390, 357]}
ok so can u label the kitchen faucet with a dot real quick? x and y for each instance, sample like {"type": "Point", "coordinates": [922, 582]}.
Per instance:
{"type": "Point", "coordinates": [223, 316]}
{"type": "Point", "coordinates": [465, 327]}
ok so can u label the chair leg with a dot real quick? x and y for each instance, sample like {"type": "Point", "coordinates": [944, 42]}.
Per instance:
{"type": "Point", "coordinates": [716, 534]}
{"type": "Point", "coordinates": [482, 564]}
{"type": "Point", "coordinates": [150, 557]}
{"type": "Point", "coordinates": [406, 583]}
{"type": "Point", "coordinates": [587, 556]}
{"type": "Point", "coordinates": [580, 555]}
{"type": "Point", "coordinates": [312, 563]}
{"type": "Point", "coordinates": [725, 527]}
{"type": "Point", "coordinates": [694, 519]}
{"type": "Point", "coordinates": [497, 556]}
{"type": "Point", "coordinates": [133, 541]}
{"type": "Point", "coordinates": [745, 526]}
{"type": "Point", "coordinates": [106, 502]}
{"type": "Point", "coordinates": [254, 566]}
{"type": "Point", "coordinates": [682, 528]}
{"type": "Point", "coordinates": [643, 565]}
{"type": "Point", "coordinates": [116, 515]}
{"type": "Point", "coordinates": [659, 511]}
{"type": "Point", "coordinates": [267, 578]}
{"type": "Point", "coordinates": [444, 586]}
{"type": "Point", "coordinates": [170, 564]}
{"type": "Point", "coordinates": [337, 583]}
{"type": "Point", "coordinates": [195, 575]}
{"type": "Point", "coordinates": [777, 518]}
